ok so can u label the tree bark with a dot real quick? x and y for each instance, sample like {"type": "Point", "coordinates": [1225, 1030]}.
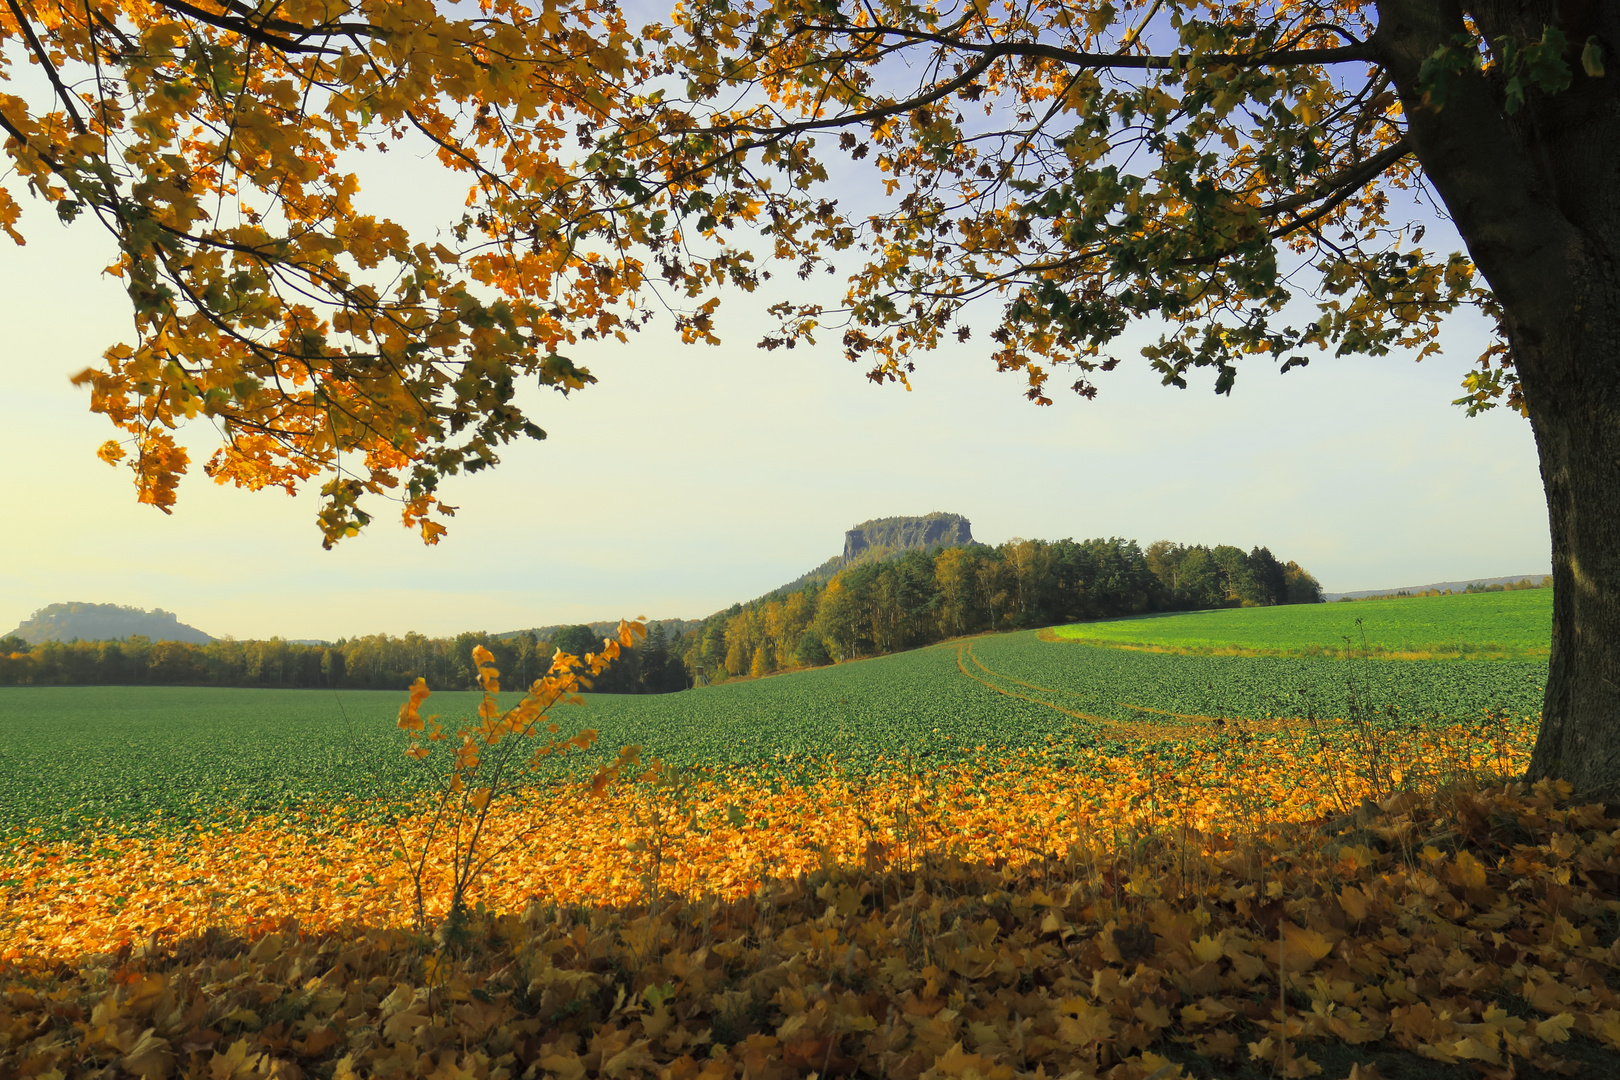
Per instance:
{"type": "Point", "coordinates": [1536, 198]}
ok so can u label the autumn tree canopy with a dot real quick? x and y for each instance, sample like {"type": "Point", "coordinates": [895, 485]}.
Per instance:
{"type": "Point", "coordinates": [1246, 173]}
{"type": "Point", "coordinates": [220, 145]}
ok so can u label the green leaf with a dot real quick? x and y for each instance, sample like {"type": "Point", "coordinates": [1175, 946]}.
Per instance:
{"type": "Point", "coordinates": [1441, 68]}
{"type": "Point", "coordinates": [1592, 58]}
{"type": "Point", "coordinates": [1513, 95]}
{"type": "Point", "coordinates": [1544, 61]}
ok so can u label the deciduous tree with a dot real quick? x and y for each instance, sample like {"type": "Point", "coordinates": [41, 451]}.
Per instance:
{"type": "Point", "coordinates": [1242, 172]}
{"type": "Point", "coordinates": [1245, 173]}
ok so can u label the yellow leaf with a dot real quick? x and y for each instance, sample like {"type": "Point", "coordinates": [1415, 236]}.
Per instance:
{"type": "Point", "coordinates": [1607, 1027]}
{"type": "Point", "coordinates": [1357, 855]}
{"type": "Point", "coordinates": [1083, 1023]}
{"type": "Point", "coordinates": [1471, 1049]}
{"type": "Point", "coordinates": [631, 1057]}
{"type": "Point", "coordinates": [1152, 1014]}
{"type": "Point", "coordinates": [658, 1021]}
{"type": "Point", "coordinates": [1160, 1068]}
{"type": "Point", "coordinates": [565, 1066]}
{"type": "Point", "coordinates": [1467, 871]}
{"type": "Point", "coordinates": [150, 1057]}
{"type": "Point", "coordinates": [1206, 950]}
{"type": "Point", "coordinates": [1555, 1029]}
{"type": "Point", "coordinates": [1354, 902]}
{"type": "Point", "coordinates": [1301, 947]}
{"type": "Point", "coordinates": [1548, 997]}
{"type": "Point", "coordinates": [235, 1064]}
{"type": "Point", "coordinates": [957, 1062]}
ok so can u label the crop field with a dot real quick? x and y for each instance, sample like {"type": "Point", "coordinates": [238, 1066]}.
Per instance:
{"type": "Point", "coordinates": [156, 756]}
{"type": "Point", "coordinates": [1504, 625]}
{"type": "Point", "coordinates": [998, 858]}
{"type": "Point", "coordinates": [178, 846]}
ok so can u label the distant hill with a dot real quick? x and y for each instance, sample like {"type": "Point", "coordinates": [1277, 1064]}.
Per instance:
{"type": "Point", "coordinates": [105, 622]}
{"type": "Point", "coordinates": [1439, 586]}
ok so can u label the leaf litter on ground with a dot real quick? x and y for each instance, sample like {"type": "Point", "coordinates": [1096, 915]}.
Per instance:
{"type": "Point", "coordinates": [1114, 918]}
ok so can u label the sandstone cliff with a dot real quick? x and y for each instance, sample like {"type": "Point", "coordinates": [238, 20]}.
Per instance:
{"type": "Point", "coordinates": [897, 534]}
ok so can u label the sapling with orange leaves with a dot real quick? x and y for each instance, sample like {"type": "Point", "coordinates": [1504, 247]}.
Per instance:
{"type": "Point", "coordinates": [490, 755]}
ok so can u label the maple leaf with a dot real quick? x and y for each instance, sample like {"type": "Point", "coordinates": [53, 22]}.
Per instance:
{"type": "Point", "coordinates": [1283, 1058]}
{"type": "Point", "coordinates": [956, 1062]}
{"type": "Point", "coordinates": [1466, 871]}
{"type": "Point", "coordinates": [150, 1058]}
{"type": "Point", "coordinates": [1302, 947]}
{"type": "Point", "coordinates": [632, 1057]}
{"type": "Point", "coordinates": [403, 1024]}
{"type": "Point", "coordinates": [1555, 1029]}
{"type": "Point", "coordinates": [237, 1063]}
{"type": "Point", "coordinates": [1467, 1048]}
{"type": "Point", "coordinates": [1080, 1023]}
{"type": "Point", "coordinates": [1206, 949]}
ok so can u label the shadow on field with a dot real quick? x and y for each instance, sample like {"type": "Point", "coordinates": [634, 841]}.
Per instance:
{"type": "Point", "coordinates": [1472, 932]}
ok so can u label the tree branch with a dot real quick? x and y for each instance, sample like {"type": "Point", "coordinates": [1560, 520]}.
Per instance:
{"type": "Point", "coordinates": [1349, 180]}
{"type": "Point", "coordinates": [973, 71]}
{"type": "Point", "coordinates": [50, 68]}
{"type": "Point", "coordinates": [1076, 58]}
{"type": "Point", "coordinates": [249, 29]}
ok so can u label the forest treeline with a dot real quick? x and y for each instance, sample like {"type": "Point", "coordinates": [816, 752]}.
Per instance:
{"type": "Point", "coordinates": [924, 596]}
{"type": "Point", "coordinates": [874, 608]}
{"type": "Point", "coordinates": [375, 662]}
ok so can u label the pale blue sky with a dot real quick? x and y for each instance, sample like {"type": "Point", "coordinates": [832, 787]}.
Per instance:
{"type": "Point", "coordinates": [723, 472]}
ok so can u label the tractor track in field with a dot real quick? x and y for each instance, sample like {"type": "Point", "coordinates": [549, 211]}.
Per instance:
{"type": "Point", "coordinates": [1193, 725]}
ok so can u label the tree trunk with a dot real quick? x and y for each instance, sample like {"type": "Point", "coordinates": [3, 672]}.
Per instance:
{"type": "Point", "coordinates": [1536, 197]}
{"type": "Point", "coordinates": [1577, 426]}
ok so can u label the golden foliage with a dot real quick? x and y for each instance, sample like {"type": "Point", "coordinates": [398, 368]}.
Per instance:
{"type": "Point", "coordinates": [483, 771]}
{"type": "Point", "coordinates": [1005, 918]}
{"type": "Point", "coordinates": [732, 833]}
{"type": "Point", "coordinates": [222, 148]}
{"type": "Point", "coordinates": [1409, 927]}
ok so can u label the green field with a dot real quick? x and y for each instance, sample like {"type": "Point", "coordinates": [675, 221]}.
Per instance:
{"type": "Point", "coordinates": [1504, 625]}
{"type": "Point", "coordinates": [69, 755]}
